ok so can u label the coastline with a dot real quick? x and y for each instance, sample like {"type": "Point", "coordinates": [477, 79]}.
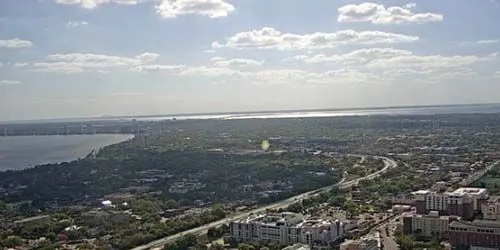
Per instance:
{"type": "Point", "coordinates": [25, 152]}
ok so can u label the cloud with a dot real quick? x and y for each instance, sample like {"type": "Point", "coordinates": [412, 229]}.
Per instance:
{"type": "Point", "coordinates": [147, 57]}
{"type": "Point", "coordinates": [379, 14]}
{"type": "Point", "coordinates": [401, 65]}
{"type": "Point", "coordinates": [15, 43]}
{"type": "Point", "coordinates": [381, 58]}
{"type": "Point", "coordinates": [487, 41]}
{"type": "Point", "coordinates": [209, 71]}
{"type": "Point", "coordinates": [208, 8]}
{"type": "Point", "coordinates": [91, 4]}
{"type": "Point", "coordinates": [9, 82]}
{"type": "Point", "coordinates": [158, 68]}
{"type": "Point", "coordinates": [81, 62]}
{"type": "Point", "coordinates": [75, 24]}
{"type": "Point", "coordinates": [235, 62]}
{"type": "Point", "coordinates": [360, 56]}
{"type": "Point", "coordinates": [270, 38]}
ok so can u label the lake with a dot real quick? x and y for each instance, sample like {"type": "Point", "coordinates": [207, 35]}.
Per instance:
{"type": "Point", "coordinates": [19, 152]}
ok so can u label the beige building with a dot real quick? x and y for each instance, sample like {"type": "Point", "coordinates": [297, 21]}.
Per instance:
{"type": "Point", "coordinates": [462, 202]}
{"type": "Point", "coordinates": [429, 225]}
{"type": "Point", "coordinates": [491, 209]}
{"type": "Point", "coordinates": [365, 243]}
{"type": "Point", "coordinates": [287, 228]}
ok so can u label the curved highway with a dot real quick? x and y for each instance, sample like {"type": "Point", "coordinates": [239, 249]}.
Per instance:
{"type": "Point", "coordinates": [388, 165]}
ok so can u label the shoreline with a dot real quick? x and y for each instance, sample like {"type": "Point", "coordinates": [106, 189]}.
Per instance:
{"type": "Point", "coordinates": [75, 152]}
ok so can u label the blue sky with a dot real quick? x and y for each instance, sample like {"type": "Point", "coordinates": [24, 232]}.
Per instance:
{"type": "Point", "coordinates": [73, 58]}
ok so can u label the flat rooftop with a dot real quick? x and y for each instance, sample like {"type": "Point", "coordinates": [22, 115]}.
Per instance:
{"type": "Point", "coordinates": [469, 190]}
{"type": "Point", "coordinates": [477, 223]}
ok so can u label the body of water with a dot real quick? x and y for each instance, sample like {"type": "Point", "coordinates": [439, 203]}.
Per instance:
{"type": "Point", "coordinates": [19, 152]}
{"type": "Point", "coordinates": [427, 110]}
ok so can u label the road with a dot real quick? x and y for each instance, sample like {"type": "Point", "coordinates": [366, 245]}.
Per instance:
{"type": "Point", "coordinates": [388, 165]}
{"type": "Point", "coordinates": [387, 233]}
{"type": "Point", "coordinates": [476, 176]}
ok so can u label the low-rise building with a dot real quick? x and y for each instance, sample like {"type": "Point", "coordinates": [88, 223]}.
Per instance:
{"type": "Point", "coordinates": [183, 187]}
{"type": "Point", "coordinates": [365, 243]}
{"type": "Point", "coordinates": [479, 234]}
{"type": "Point", "coordinates": [287, 228]}
{"type": "Point", "coordinates": [491, 209]}
{"type": "Point", "coordinates": [430, 225]}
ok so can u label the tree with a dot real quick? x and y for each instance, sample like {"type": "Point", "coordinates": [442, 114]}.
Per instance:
{"type": "Point", "coordinates": [12, 241]}
{"type": "Point", "coordinates": [216, 246]}
{"type": "Point", "coordinates": [244, 246]}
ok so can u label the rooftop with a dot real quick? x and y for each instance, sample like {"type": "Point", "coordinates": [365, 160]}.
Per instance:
{"type": "Point", "coordinates": [469, 190]}
{"type": "Point", "coordinates": [477, 223]}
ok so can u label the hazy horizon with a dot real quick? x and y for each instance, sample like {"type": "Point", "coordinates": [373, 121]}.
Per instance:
{"type": "Point", "coordinates": [73, 58]}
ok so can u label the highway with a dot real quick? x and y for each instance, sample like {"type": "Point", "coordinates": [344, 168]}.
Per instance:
{"type": "Point", "coordinates": [388, 165]}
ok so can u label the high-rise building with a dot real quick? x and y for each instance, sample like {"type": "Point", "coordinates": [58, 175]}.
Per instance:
{"type": "Point", "coordinates": [287, 228]}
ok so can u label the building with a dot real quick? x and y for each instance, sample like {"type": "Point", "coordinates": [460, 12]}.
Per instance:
{"type": "Point", "coordinates": [479, 196]}
{"type": "Point", "coordinates": [491, 209]}
{"type": "Point", "coordinates": [479, 234]}
{"type": "Point", "coordinates": [365, 243]}
{"type": "Point", "coordinates": [287, 228]}
{"type": "Point", "coordinates": [462, 202]}
{"type": "Point", "coordinates": [430, 225]}
{"type": "Point", "coordinates": [297, 247]}
{"type": "Point", "coordinates": [426, 201]}
{"type": "Point", "coordinates": [183, 187]}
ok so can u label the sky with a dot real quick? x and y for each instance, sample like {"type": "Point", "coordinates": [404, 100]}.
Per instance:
{"type": "Point", "coordinates": [80, 58]}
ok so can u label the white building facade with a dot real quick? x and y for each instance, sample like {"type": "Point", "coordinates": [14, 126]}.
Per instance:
{"type": "Point", "coordinates": [287, 228]}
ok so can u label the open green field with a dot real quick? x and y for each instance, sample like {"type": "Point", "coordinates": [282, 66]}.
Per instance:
{"type": "Point", "coordinates": [490, 181]}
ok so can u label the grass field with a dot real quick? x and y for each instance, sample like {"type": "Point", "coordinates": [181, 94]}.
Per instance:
{"type": "Point", "coordinates": [490, 183]}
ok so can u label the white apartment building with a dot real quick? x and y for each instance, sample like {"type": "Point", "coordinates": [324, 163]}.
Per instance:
{"type": "Point", "coordinates": [287, 228]}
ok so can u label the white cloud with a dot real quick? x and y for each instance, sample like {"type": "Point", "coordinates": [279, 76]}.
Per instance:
{"type": "Point", "coordinates": [410, 5]}
{"type": "Point", "coordinates": [91, 4]}
{"type": "Point", "coordinates": [425, 63]}
{"type": "Point", "coordinates": [158, 68]}
{"type": "Point", "coordinates": [401, 65]}
{"type": "Point", "coordinates": [379, 14]}
{"type": "Point", "coordinates": [9, 82]}
{"type": "Point", "coordinates": [210, 71]}
{"type": "Point", "coordinates": [488, 41]}
{"type": "Point", "coordinates": [235, 62]}
{"type": "Point", "coordinates": [270, 38]}
{"type": "Point", "coordinates": [80, 62]}
{"type": "Point", "coordinates": [15, 43]}
{"type": "Point", "coordinates": [298, 76]}
{"type": "Point", "coordinates": [75, 24]}
{"type": "Point", "coordinates": [147, 57]}
{"type": "Point", "coordinates": [386, 58]}
{"type": "Point", "coordinates": [208, 8]}
{"type": "Point", "coordinates": [360, 56]}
